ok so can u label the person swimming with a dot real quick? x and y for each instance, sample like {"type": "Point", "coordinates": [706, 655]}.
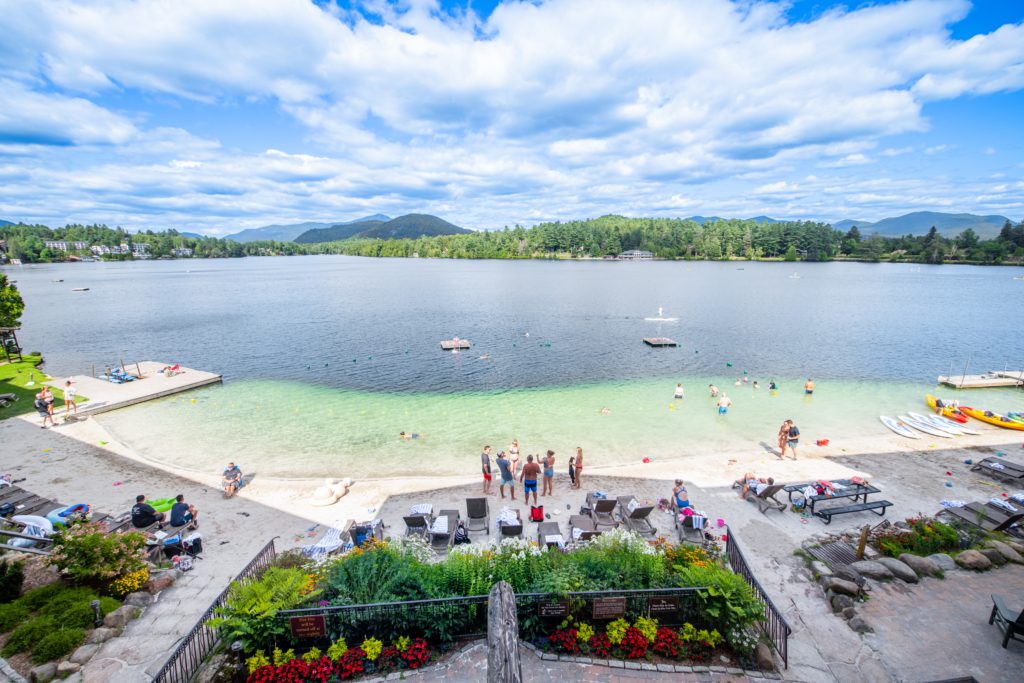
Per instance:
{"type": "Point", "coordinates": [714, 390]}
{"type": "Point", "coordinates": [756, 385]}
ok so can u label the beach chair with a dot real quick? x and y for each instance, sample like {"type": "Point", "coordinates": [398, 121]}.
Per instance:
{"type": "Point", "coordinates": [478, 515]}
{"type": "Point", "coordinates": [766, 500]}
{"type": "Point", "coordinates": [548, 534]}
{"type": "Point", "coordinates": [417, 525]}
{"type": "Point", "coordinates": [512, 530]}
{"type": "Point", "coordinates": [688, 533]}
{"type": "Point", "coordinates": [638, 520]}
{"type": "Point", "coordinates": [602, 513]}
{"type": "Point", "coordinates": [331, 542]}
{"type": "Point", "coordinates": [983, 517]}
{"type": "Point", "coordinates": [582, 528]}
{"type": "Point", "coordinates": [1001, 469]}
{"type": "Point", "coordinates": [442, 534]}
{"type": "Point", "coordinates": [1012, 627]}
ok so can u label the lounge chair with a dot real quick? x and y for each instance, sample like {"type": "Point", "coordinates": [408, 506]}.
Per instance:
{"type": "Point", "coordinates": [1001, 469]}
{"type": "Point", "coordinates": [687, 532]}
{"type": "Point", "coordinates": [364, 531]}
{"type": "Point", "coordinates": [550, 530]}
{"type": "Point", "coordinates": [331, 542]}
{"type": "Point", "coordinates": [766, 500]}
{"type": "Point", "coordinates": [417, 525]}
{"type": "Point", "coordinates": [478, 510]}
{"type": "Point", "coordinates": [638, 520]}
{"type": "Point", "coordinates": [586, 527]}
{"type": "Point", "coordinates": [602, 513]}
{"type": "Point", "coordinates": [1012, 628]}
{"type": "Point", "coordinates": [440, 539]}
{"type": "Point", "coordinates": [985, 517]}
{"type": "Point", "coordinates": [512, 530]}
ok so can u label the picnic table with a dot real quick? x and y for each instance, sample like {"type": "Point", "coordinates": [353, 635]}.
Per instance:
{"type": "Point", "coordinates": [848, 490]}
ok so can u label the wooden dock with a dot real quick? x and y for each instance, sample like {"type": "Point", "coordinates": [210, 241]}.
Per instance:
{"type": "Point", "coordinates": [452, 344]}
{"type": "Point", "coordinates": [987, 381]}
{"type": "Point", "coordinates": [660, 341]}
{"type": "Point", "coordinates": [104, 396]}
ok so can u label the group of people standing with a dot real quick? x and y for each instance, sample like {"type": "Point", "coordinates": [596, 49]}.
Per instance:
{"type": "Point", "coordinates": [541, 468]}
{"type": "Point", "coordinates": [45, 399]}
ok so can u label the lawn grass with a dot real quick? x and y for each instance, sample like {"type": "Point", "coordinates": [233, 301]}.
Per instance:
{"type": "Point", "coordinates": [13, 380]}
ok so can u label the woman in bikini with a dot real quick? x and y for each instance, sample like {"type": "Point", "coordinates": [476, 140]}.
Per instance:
{"type": "Point", "coordinates": [549, 474]}
{"type": "Point", "coordinates": [513, 457]}
{"type": "Point", "coordinates": [579, 466]}
{"type": "Point", "coordinates": [783, 438]}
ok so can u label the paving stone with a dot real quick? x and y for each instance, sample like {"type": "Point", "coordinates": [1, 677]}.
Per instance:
{"type": "Point", "coordinates": [902, 571]}
{"type": "Point", "coordinates": [872, 570]}
{"type": "Point", "coordinates": [645, 666]}
{"type": "Point", "coordinates": [666, 668]}
{"type": "Point", "coordinates": [549, 657]}
{"type": "Point", "coordinates": [701, 669]}
{"type": "Point", "coordinates": [600, 662]}
{"type": "Point", "coordinates": [683, 669]}
{"type": "Point", "coordinates": [734, 671]}
{"type": "Point", "coordinates": [616, 664]}
{"type": "Point", "coordinates": [395, 676]}
{"type": "Point", "coordinates": [922, 566]}
{"type": "Point", "coordinates": [632, 665]}
{"type": "Point", "coordinates": [584, 660]}
{"type": "Point", "coordinates": [717, 669]}
{"type": "Point", "coordinates": [972, 559]}
{"type": "Point", "coordinates": [1006, 551]}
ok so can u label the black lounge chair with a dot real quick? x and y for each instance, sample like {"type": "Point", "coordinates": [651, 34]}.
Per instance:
{"type": "Point", "coordinates": [687, 532]}
{"type": "Point", "coordinates": [766, 500]}
{"type": "Point", "coordinates": [603, 513]}
{"type": "Point", "coordinates": [442, 542]}
{"type": "Point", "coordinates": [417, 525]}
{"type": "Point", "coordinates": [985, 517]}
{"type": "Point", "coordinates": [1001, 469]}
{"type": "Point", "coordinates": [1012, 627]}
{"type": "Point", "coordinates": [639, 520]}
{"type": "Point", "coordinates": [588, 530]}
{"type": "Point", "coordinates": [478, 510]}
{"type": "Point", "coordinates": [512, 530]}
{"type": "Point", "coordinates": [545, 529]}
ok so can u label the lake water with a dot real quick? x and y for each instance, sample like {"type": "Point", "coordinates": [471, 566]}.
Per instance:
{"type": "Point", "coordinates": [326, 359]}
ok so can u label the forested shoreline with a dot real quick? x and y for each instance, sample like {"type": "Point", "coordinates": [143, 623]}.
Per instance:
{"type": "Point", "coordinates": [665, 238]}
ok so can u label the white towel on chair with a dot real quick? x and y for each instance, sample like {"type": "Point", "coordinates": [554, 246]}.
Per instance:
{"type": "Point", "coordinates": [440, 525]}
{"type": "Point", "coordinates": [997, 466]}
{"type": "Point", "coordinates": [952, 503]}
{"type": "Point", "coordinates": [421, 509]}
{"type": "Point", "coordinates": [1002, 504]}
{"type": "Point", "coordinates": [555, 538]}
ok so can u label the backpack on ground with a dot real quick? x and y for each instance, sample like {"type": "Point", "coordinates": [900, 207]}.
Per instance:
{"type": "Point", "coordinates": [192, 544]}
{"type": "Point", "coordinates": [536, 513]}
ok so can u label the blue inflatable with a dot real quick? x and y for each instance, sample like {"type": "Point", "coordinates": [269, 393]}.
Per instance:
{"type": "Point", "coordinates": [61, 516]}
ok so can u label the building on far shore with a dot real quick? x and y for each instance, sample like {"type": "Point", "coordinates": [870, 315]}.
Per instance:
{"type": "Point", "coordinates": [183, 252]}
{"type": "Point", "coordinates": [636, 255]}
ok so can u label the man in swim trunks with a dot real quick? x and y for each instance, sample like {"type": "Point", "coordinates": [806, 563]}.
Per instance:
{"type": "Point", "coordinates": [182, 513]}
{"type": "Point", "coordinates": [505, 469]}
{"type": "Point", "coordinates": [809, 386]}
{"type": "Point", "coordinates": [723, 404]}
{"type": "Point", "coordinates": [485, 464]}
{"type": "Point", "coordinates": [529, 479]}
{"type": "Point", "coordinates": [794, 437]}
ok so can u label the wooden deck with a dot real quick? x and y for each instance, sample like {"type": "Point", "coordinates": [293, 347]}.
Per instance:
{"type": "Point", "coordinates": [104, 395]}
{"type": "Point", "coordinates": [659, 341]}
{"type": "Point", "coordinates": [986, 381]}
{"type": "Point", "coordinates": [451, 344]}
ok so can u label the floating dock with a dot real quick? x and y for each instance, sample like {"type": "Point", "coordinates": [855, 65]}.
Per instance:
{"type": "Point", "coordinates": [660, 341]}
{"type": "Point", "coordinates": [989, 380]}
{"type": "Point", "coordinates": [104, 396]}
{"type": "Point", "coordinates": [452, 344]}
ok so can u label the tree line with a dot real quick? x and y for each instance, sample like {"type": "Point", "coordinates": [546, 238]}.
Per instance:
{"type": "Point", "coordinates": [666, 238]}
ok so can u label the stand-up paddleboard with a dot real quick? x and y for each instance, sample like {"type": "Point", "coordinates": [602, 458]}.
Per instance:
{"type": "Point", "coordinates": [661, 317]}
{"type": "Point", "coordinates": [924, 427]}
{"type": "Point", "coordinates": [932, 420]}
{"type": "Point", "coordinates": [900, 429]}
{"type": "Point", "coordinates": [949, 424]}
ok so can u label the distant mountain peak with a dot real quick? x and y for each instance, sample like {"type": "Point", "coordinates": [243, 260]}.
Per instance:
{"type": "Point", "coordinates": [409, 226]}
{"type": "Point", "coordinates": [920, 222]}
{"type": "Point", "coordinates": [288, 232]}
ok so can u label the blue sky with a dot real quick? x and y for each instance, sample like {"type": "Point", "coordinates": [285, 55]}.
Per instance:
{"type": "Point", "coordinates": [219, 116]}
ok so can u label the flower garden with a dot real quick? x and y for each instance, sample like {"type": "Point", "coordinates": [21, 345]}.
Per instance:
{"type": "Point", "coordinates": [394, 605]}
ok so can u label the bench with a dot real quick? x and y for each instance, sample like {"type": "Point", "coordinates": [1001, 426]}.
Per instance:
{"type": "Point", "coordinates": [827, 513]}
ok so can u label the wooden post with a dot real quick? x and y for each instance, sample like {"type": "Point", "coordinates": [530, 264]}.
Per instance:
{"type": "Point", "coordinates": [863, 542]}
{"type": "Point", "coordinates": [138, 370]}
{"type": "Point", "coordinates": [94, 371]}
{"type": "Point", "coordinates": [503, 664]}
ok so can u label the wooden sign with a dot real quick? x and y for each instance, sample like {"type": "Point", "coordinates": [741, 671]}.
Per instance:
{"type": "Point", "coordinates": [313, 626]}
{"type": "Point", "coordinates": [663, 605]}
{"type": "Point", "coordinates": [553, 608]}
{"type": "Point", "coordinates": [609, 608]}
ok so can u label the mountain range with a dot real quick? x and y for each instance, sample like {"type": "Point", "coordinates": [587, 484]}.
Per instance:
{"type": "Point", "coordinates": [711, 219]}
{"type": "Point", "coordinates": [288, 232]}
{"type": "Point", "coordinates": [920, 222]}
{"type": "Point", "coordinates": [410, 226]}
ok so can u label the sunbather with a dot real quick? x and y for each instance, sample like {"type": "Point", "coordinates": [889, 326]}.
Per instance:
{"type": "Point", "coordinates": [680, 495]}
{"type": "Point", "coordinates": [232, 480]}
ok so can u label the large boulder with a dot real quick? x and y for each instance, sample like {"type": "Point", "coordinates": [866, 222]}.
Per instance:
{"type": "Point", "coordinates": [972, 559]}
{"type": "Point", "coordinates": [1016, 545]}
{"type": "Point", "coordinates": [945, 562]}
{"type": "Point", "coordinates": [872, 570]}
{"type": "Point", "coordinates": [844, 571]}
{"type": "Point", "coordinates": [841, 602]}
{"type": "Point", "coordinates": [843, 587]}
{"type": "Point", "coordinates": [139, 599]}
{"type": "Point", "coordinates": [84, 653]}
{"type": "Point", "coordinates": [44, 673]}
{"type": "Point", "coordinates": [765, 660]}
{"type": "Point", "coordinates": [65, 669]}
{"type": "Point", "coordinates": [1006, 551]}
{"type": "Point", "coordinates": [922, 566]}
{"type": "Point", "coordinates": [121, 616]}
{"type": "Point", "coordinates": [858, 624]}
{"type": "Point", "coordinates": [899, 569]}
{"type": "Point", "coordinates": [994, 556]}
{"type": "Point", "coordinates": [102, 635]}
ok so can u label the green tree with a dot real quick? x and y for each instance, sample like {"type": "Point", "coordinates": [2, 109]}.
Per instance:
{"type": "Point", "coordinates": [791, 253]}
{"type": "Point", "coordinates": [11, 304]}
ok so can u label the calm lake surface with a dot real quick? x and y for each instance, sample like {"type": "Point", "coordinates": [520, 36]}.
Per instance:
{"type": "Point", "coordinates": [327, 358]}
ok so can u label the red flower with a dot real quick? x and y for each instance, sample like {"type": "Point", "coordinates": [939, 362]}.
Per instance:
{"type": "Point", "coordinates": [565, 640]}
{"type": "Point", "coordinates": [352, 662]}
{"type": "Point", "coordinates": [634, 643]}
{"type": "Point", "coordinates": [600, 645]}
{"type": "Point", "coordinates": [417, 654]}
{"type": "Point", "coordinates": [666, 643]}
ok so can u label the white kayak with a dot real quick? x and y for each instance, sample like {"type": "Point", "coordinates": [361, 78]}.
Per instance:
{"type": "Point", "coordinates": [899, 428]}
{"type": "Point", "coordinates": [924, 427]}
{"type": "Point", "coordinates": [944, 424]}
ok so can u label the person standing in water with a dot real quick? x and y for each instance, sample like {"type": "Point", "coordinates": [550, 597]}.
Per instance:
{"type": "Point", "coordinates": [723, 404]}
{"type": "Point", "coordinates": [809, 386]}
{"type": "Point", "coordinates": [679, 392]}
{"type": "Point", "coordinates": [579, 466]}
{"type": "Point", "coordinates": [714, 390]}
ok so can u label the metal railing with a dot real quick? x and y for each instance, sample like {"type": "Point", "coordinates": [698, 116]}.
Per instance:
{"type": "Point", "coordinates": [197, 643]}
{"type": "Point", "coordinates": [774, 624]}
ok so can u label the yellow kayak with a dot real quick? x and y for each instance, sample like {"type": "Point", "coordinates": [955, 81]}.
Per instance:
{"type": "Point", "coordinates": [947, 411]}
{"type": "Point", "coordinates": [992, 418]}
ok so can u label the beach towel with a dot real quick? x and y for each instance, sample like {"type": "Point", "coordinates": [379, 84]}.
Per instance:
{"type": "Point", "coordinates": [577, 533]}
{"type": "Point", "coordinates": [326, 545]}
{"type": "Point", "coordinates": [1019, 497]}
{"type": "Point", "coordinates": [555, 538]}
{"type": "Point", "coordinates": [440, 525]}
{"type": "Point", "coordinates": [952, 503]}
{"type": "Point", "coordinates": [633, 505]}
{"type": "Point", "coordinates": [1002, 504]}
{"type": "Point", "coordinates": [421, 509]}
{"type": "Point", "coordinates": [996, 466]}
{"type": "Point", "coordinates": [507, 516]}
{"type": "Point", "coordinates": [599, 495]}
{"type": "Point", "coordinates": [698, 521]}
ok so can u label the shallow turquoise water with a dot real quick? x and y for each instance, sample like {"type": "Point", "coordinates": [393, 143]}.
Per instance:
{"type": "Point", "coordinates": [291, 429]}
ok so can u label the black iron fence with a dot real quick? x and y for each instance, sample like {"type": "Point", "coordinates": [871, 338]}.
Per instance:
{"type": "Point", "coordinates": [774, 624]}
{"type": "Point", "coordinates": [197, 643]}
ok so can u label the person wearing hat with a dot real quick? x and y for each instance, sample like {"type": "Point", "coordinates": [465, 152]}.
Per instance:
{"type": "Point", "coordinates": [70, 393]}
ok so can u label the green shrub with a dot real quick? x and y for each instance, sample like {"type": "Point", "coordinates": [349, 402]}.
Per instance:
{"type": "Point", "coordinates": [64, 601]}
{"type": "Point", "coordinates": [925, 537]}
{"type": "Point", "coordinates": [108, 605]}
{"type": "Point", "coordinates": [85, 552]}
{"type": "Point", "coordinates": [28, 634]}
{"type": "Point", "coordinates": [81, 614]}
{"type": "Point", "coordinates": [249, 611]}
{"type": "Point", "coordinates": [57, 644]}
{"type": "Point", "coordinates": [11, 615]}
{"type": "Point", "coordinates": [37, 597]}
{"type": "Point", "coordinates": [12, 575]}
{"type": "Point", "coordinates": [728, 600]}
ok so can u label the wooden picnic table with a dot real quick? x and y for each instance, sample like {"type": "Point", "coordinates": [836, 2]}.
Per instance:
{"type": "Point", "coordinates": [848, 490]}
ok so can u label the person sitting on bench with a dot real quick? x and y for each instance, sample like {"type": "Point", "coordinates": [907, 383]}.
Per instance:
{"type": "Point", "coordinates": [183, 513]}
{"type": "Point", "coordinates": [144, 514]}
